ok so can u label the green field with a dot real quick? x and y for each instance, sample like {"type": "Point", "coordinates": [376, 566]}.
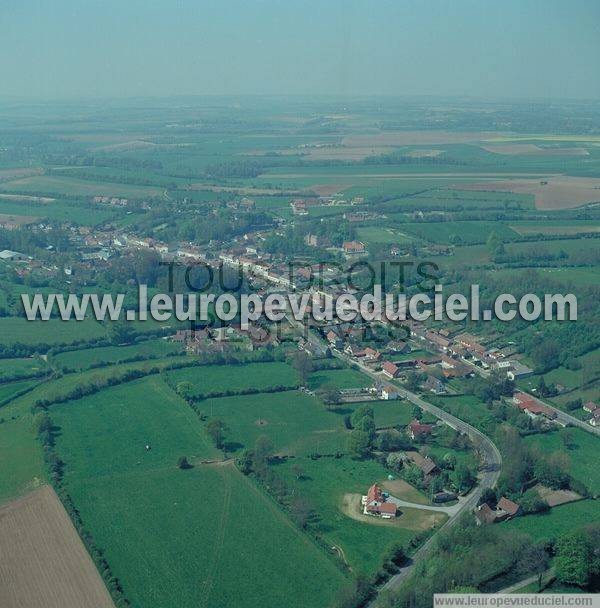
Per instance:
{"type": "Point", "coordinates": [389, 413]}
{"type": "Point", "coordinates": [295, 422]}
{"type": "Point", "coordinates": [340, 378]}
{"type": "Point", "coordinates": [21, 368]}
{"type": "Point", "coordinates": [223, 378]}
{"type": "Point", "coordinates": [17, 330]}
{"type": "Point", "coordinates": [555, 227]}
{"type": "Point", "coordinates": [49, 184]}
{"type": "Point", "coordinates": [383, 235]}
{"type": "Point", "coordinates": [577, 276]}
{"type": "Point", "coordinates": [10, 389]}
{"type": "Point", "coordinates": [85, 358]}
{"type": "Point", "coordinates": [363, 543]}
{"type": "Point", "coordinates": [465, 407]}
{"type": "Point", "coordinates": [18, 443]}
{"type": "Point", "coordinates": [201, 537]}
{"type": "Point", "coordinates": [60, 211]}
{"type": "Point", "coordinates": [581, 452]}
{"type": "Point", "coordinates": [466, 232]}
{"type": "Point", "coordinates": [557, 521]}
{"type": "Point", "coordinates": [21, 454]}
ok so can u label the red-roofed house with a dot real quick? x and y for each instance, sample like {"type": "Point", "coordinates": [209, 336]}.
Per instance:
{"type": "Point", "coordinates": [416, 429]}
{"type": "Point", "coordinates": [390, 369]}
{"type": "Point", "coordinates": [590, 407]}
{"type": "Point", "coordinates": [374, 503]}
{"type": "Point", "coordinates": [508, 507]}
{"type": "Point", "coordinates": [532, 406]}
{"type": "Point", "coordinates": [371, 354]}
{"type": "Point", "coordinates": [485, 514]}
{"type": "Point", "coordinates": [353, 247]}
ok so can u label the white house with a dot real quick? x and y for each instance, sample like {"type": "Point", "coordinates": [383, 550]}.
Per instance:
{"type": "Point", "coordinates": [389, 392]}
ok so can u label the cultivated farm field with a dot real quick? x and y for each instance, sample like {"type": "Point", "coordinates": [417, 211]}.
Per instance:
{"type": "Point", "coordinates": [557, 192]}
{"type": "Point", "coordinates": [76, 187]}
{"type": "Point", "coordinates": [44, 563]}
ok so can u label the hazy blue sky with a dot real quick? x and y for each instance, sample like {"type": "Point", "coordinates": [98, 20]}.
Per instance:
{"type": "Point", "coordinates": [507, 48]}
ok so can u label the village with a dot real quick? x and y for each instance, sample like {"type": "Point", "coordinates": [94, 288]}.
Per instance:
{"type": "Point", "coordinates": [444, 353]}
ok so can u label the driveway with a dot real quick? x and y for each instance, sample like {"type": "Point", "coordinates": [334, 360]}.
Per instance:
{"type": "Point", "coordinates": [450, 510]}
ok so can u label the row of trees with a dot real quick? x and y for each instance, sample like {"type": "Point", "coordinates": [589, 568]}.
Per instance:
{"type": "Point", "coordinates": [47, 432]}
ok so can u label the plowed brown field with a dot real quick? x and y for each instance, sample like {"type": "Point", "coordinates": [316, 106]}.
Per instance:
{"type": "Point", "coordinates": [43, 563]}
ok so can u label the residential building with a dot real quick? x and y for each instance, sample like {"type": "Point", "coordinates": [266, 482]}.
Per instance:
{"type": "Point", "coordinates": [416, 430]}
{"type": "Point", "coordinates": [532, 406]}
{"type": "Point", "coordinates": [508, 507]}
{"type": "Point", "coordinates": [434, 385]}
{"type": "Point", "coordinates": [372, 355]}
{"type": "Point", "coordinates": [390, 369]}
{"type": "Point", "coordinates": [389, 392]}
{"type": "Point", "coordinates": [376, 503]}
{"type": "Point", "coordinates": [353, 247]}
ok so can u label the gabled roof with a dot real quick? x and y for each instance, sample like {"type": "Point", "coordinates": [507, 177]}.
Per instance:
{"type": "Point", "coordinates": [387, 507]}
{"type": "Point", "coordinates": [485, 514]}
{"type": "Point", "coordinates": [389, 367]}
{"type": "Point", "coordinates": [420, 429]}
{"type": "Point", "coordinates": [510, 507]}
{"type": "Point", "coordinates": [374, 494]}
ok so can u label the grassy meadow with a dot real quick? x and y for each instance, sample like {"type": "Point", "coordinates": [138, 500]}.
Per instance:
{"type": "Point", "coordinates": [139, 507]}
{"type": "Point", "coordinates": [223, 378]}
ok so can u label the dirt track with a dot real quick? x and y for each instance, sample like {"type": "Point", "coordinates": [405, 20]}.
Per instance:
{"type": "Point", "coordinates": [43, 563]}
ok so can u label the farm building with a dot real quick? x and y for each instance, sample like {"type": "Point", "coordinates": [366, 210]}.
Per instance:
{"type": "Point", "coordinates": [444, 496]}
{"type": "Point", "coordinates": [12, 256]}
{"type": "Point", "coordinates": [434, 385]}
{"type": "Point", "coordinates": [484, 514]}
{"type": "Point", "coordinates": [440, 341]}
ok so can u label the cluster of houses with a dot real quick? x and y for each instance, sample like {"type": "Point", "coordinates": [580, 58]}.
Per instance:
{"type": "Point", "coordinates": [112, 201]}
{"type": "Point", "coordinates": [222, 339]}
{"type": "Point", "coordinates": [591, 408]}
{"type": "Point", "coordinates": [468, 349]}
{"type": "Point", "coordinates": [300, 206]}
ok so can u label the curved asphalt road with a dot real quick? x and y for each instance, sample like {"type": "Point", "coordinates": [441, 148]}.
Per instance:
{"type": "Point", "coordinates": [491, 469]}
